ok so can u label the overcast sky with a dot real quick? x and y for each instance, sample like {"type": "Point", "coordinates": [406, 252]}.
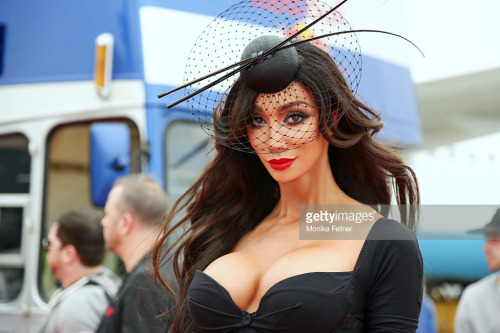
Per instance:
{"type": "Point", "coordinates": [457, 36]}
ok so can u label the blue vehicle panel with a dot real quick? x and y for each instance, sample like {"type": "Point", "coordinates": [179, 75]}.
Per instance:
{"type": "Point", "coordinates": [56, 41]}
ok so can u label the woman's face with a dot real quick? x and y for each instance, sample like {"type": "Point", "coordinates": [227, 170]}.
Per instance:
{"type": "Point", "coordinates": [285, 133]}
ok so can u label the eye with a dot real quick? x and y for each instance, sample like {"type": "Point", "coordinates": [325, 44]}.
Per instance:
{"type": "Point", "coordinates": [257, 120]}
{"type": "Point", "coordinates": [295, 118]}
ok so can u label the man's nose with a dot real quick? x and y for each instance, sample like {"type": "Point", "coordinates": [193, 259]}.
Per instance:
{"type": "Point", "coordinates": [486, 245]}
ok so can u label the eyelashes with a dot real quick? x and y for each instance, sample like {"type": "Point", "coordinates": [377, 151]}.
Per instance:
{"type": "Point", "coordinates": [257, 121]}
{"type": "Point", "coordinates": [295, 118]}
{"type": "Point", "coordinates": [292, 118]}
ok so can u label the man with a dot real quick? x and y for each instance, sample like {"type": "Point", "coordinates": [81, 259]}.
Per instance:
{"type": "Point", "coordinates": [132, 220]}
{"type": "Point", "coordinates": [75, 249]}
{"type": "Point", "coordinates": [479, 308]}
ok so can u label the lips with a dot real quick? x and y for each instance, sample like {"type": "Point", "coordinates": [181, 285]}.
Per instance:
{"type": "Point", "coordinates": [281, 163]}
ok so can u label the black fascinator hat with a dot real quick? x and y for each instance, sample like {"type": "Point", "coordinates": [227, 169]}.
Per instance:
{"type": "Point", "coordinates": [259, 47]}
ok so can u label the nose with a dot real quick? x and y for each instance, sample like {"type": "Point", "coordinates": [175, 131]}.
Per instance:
{"type": "Point", "coordinates": [487, 245]}
{"type": "Point", "coordinates": [276, 137]}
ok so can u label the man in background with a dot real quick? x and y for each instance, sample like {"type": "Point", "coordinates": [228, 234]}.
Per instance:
{"type": "Point", "coordinates": [75, 249]}
{"type": "Point", "coordinates": [478, 310]}
{"type": "Point", "coordinates": [134, 212]}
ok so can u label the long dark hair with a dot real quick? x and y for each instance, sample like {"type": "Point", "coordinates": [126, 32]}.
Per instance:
{"type": "Point", "coordinates": [235, 192]}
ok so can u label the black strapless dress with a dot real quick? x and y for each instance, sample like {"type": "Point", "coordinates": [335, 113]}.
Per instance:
{"type": "Point", "coordinates": [382, 294]}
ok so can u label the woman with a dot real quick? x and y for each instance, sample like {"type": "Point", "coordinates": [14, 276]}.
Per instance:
{"type": "Point", "coordinates": [244, 267]}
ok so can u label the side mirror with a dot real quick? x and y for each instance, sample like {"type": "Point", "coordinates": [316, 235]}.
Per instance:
{"type": "Point", "coordinates": [109, 158]}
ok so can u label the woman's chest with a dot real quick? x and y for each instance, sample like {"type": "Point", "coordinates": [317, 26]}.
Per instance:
{"type": "Point", "coordinates": [310, 302]}
{"type": "Point", "coordinates": [248, 273]}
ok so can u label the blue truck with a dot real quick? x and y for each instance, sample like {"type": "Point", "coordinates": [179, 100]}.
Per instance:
{"type": "Point", "coordinates": [78, 107]}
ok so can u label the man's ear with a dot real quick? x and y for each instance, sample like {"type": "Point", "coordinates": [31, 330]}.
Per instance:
{"type": "Point", "coordinates": [69, 254]}
{"type": "Point", "coordinates": [127, 223]}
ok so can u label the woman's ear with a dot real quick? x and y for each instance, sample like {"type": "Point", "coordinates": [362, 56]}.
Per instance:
{"type": "Point", "coordinates": [335, 121]}
{"type": "Point", "coordinates": [336, 118]}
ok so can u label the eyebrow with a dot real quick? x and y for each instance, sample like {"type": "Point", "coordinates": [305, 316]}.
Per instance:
{"type": "Point", "coordinates": [285, 106]}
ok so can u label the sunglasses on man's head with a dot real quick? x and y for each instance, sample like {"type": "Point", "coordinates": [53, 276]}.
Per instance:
{"type": "Point", "coordinates": [45, 244]}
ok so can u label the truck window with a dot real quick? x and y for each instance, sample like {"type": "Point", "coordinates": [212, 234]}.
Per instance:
{"type": "Point", "coordinates": [67, 183]}
{"type": "Point", "coordinates": [187, 153]}
{"type": "Point", "coordinates": [15, 164]}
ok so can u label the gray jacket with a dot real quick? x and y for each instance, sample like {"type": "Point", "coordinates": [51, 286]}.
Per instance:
{"type": "Point", "coordinates": [479, 307]}
{"type": "Point", "coordinates": [80, 306]}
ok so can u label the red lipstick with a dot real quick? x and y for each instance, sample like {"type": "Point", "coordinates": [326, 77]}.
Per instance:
{"type": "Point", "coordinates": [281, 163]}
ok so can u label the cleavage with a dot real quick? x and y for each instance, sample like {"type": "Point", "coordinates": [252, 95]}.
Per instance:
{"type": "Point", "coordinates": [247, 279]}
{"type": "Point", "coordinates": [283, 286]}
